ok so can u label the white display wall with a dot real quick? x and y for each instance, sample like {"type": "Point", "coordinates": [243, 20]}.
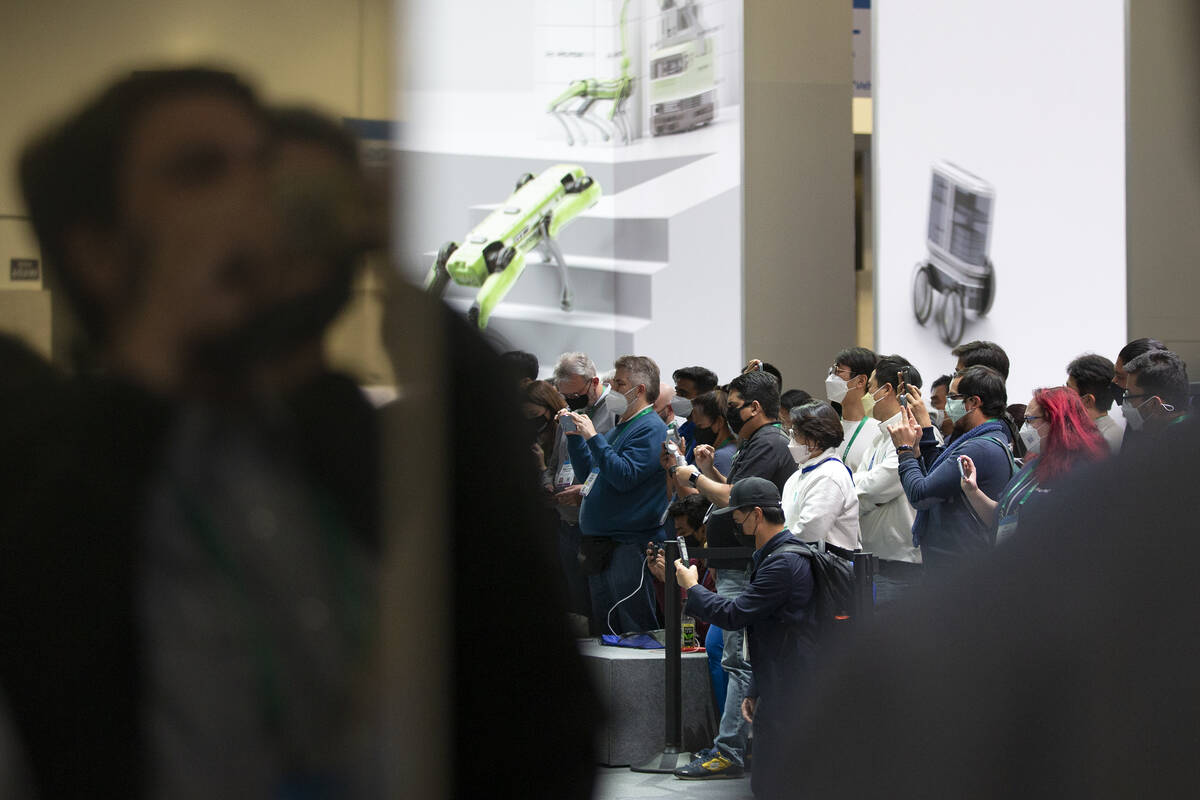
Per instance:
{"type": "Point", "coordinates": [1028, 97]}
{"type": "Point", "coordinates": [663, 240]}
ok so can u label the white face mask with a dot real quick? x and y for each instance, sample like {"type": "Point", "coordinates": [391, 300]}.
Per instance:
{"type": "Point", "coordinates": [1031, 438]}
{"type": "Point", "coordinates": [1133, 414]}
{"type": "Point", "coordinates": [619, 403]}
{"type": "Point", "coordinates": [681, 406]}
{"type": "Point", "coordinates": [835, 388]}
{"type": "Point", "coordinates": [937, 416]}
{"type": "Point", "coordinates": [800, 452]}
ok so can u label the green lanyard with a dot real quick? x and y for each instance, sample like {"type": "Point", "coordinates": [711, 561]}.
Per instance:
{"type": "Point", "coordinates": [846, 452]}
{"type": "Point", "coordinates": [624, 426]}
{"type": "Point", "coordinates": [1006, 501]}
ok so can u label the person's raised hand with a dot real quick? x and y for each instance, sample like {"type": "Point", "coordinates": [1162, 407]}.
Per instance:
{"type": "Point", "coordinates": [686, 576]}
{"type": "Point", "coordinates": [703, 455]}
{"type": "Point", "coordinates": [969, 479]}
{"type": "Point", "coordinates": [917, 406]}
{"type": "Point", "coordinates": [906, 432]}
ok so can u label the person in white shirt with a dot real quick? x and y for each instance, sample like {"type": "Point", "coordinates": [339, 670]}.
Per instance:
{"type": "Point", "coordinates": [1091, 377]}
{"type": "Point", "coordinates": [885, 515]}
{"type": "Point", "coordinates": [847, 386]}
{"type": "Point", "coordinates": [819, 501]}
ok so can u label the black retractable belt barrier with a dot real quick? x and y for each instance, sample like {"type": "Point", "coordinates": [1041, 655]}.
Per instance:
{"type": "Point", "coordinates": [672, 758]}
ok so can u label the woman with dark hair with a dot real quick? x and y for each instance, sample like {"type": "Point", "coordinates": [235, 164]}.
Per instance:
{"type": "Point", "coordinates": [708, 414]}
{"type": "Point", "coordinates": [1058, 434]}
{"type": "Point", "coordinates": [819, 500]}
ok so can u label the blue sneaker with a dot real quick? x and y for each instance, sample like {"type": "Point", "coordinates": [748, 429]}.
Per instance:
{"type": "Point", "coordinates": [715, 765]}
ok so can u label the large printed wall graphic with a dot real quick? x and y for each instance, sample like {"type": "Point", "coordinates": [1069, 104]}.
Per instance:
{"type": "Point", "coordinates": [1000, 182]}
{"type": "Point", "coordinates": [570, 173]}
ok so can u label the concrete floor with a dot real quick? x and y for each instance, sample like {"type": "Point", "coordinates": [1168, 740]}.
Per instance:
{"type": "Point", "coordinates": [619, 783]}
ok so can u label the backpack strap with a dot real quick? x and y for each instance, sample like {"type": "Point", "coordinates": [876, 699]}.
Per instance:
{"type": "Point", "coordinates": [1012, 462]}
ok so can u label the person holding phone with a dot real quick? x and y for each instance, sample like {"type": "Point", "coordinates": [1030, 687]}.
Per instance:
{"type": "Point", "coordinates": [947, 528]}
{"type": "Point", "coordinates": [1058, 435]}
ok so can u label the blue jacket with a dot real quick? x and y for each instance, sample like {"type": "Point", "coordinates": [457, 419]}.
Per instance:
{"type": "Point", "coordinates": [628, 497]}
{"type": "Point", "coordinates": [947, 528]}
{"type": "Point", "coordinates": [778, 609]}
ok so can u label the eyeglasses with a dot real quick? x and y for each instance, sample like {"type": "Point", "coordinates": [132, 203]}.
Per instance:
{"type": "Point", "coordinates": [836, 369]}
{"type": "Point", "coordinates": [957, 396]}
{"type": "Point", "coordinates": [1031, 419]}
{"type": "Point", "coordinates": [1127, 396]}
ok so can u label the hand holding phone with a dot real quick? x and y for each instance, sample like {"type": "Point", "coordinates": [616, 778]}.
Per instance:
{"type": "Point", "coordinates": [902, 389]}
{"type": "Point", "coordinates": [567, 422]}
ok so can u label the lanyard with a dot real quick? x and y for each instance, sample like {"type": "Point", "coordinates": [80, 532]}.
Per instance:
{"type": "Point", "coordinates": [1007, 501]}
{"type": "Point", "coordinates": [624, 426]}
{"type": "Point", "coordinates": [846, 452]}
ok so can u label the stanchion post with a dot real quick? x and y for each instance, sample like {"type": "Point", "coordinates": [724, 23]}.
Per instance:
{"type": "Point", "coordinates": [864, 582]}
{"type": "Point", "coordinates": [671, 758]}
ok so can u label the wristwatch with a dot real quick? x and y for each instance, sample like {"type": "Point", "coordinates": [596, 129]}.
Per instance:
{"type": "Point", "coordinates": [695, 476]}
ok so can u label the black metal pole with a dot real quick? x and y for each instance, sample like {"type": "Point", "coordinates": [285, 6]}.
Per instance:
{"type": "Point", "coordinates": [674, 627]}
{"type": "Point", "coordinates": [864, 591]}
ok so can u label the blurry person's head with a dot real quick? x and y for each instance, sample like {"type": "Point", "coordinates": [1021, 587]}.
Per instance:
{"type": "Point", "coordinates": [521, 366]}
{"type": "Point", "coordinates": [891, 372]}
{"type": "Point", "coordinates": [938, 392]}
{"type": "Point", "coordinates": [1156, 389]}
{"type": "Point", "coordinates": [816, 427]}
{"type": "Point", "coordinates": [151, 207]}
{"type": "Point", "coordinates": [691, 382]}
{"type": "Point", "coordinates": [664, 403]}
{"type": "Point", "coordinates": [1091, 377]}
{"type": "Point", "coordinates": [1059, 431]}
{"type": "Point", "coordinates": [1128, 353]}
{"type": "Point", "coordinates": [979, 353]}
{"type": "Point", "coordinates": [575, 376]}
{"type": "Point", "coordinates": [976, 396]}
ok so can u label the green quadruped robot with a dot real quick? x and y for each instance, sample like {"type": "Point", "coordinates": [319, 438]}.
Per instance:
{"type": "Point", "coordinates": [578, 101]}
{"type": "Point", "coordinates": [492, 256]}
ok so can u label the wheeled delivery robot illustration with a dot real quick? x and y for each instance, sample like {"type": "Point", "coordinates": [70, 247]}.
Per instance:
{"type": "Point", "coordinates": [492, 256]}
{"type": "Point", "coordinates": [957, 278]}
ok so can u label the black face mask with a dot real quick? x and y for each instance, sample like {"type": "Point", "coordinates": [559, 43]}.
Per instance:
{"type": "Point", "coordinates": [704, 436]}
{"type": "Point", "coordinates": [536, 426]}
{"type": "Point", "coordinates": [1118, 394]}
{"type": "Point", "coordinates": [577, 403]}
{"type": "Point", "coordinates": [733, 416]}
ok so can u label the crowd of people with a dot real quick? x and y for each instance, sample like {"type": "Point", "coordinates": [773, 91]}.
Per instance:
{"type": "Point", "coordinates": [927, 483]}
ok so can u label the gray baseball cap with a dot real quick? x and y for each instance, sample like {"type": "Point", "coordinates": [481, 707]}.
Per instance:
{"type": "Point", "coordinates": [751, 492]}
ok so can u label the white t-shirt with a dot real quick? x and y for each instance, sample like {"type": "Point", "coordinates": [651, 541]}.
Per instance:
{"type": "Point", "coordinates": [887, 516]}
{"type": "Point", "coordinates": [852, 452]}
{"type": "Point", "coordinates": [819, 502]}
{"type": "Point", "coordinates": [1112, 433]}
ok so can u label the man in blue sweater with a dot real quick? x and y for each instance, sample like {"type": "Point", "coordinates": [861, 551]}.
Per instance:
{"type": "Point", "coordinates": [623, 500]}
{"type": "Point", "coordinates": [947, 529]}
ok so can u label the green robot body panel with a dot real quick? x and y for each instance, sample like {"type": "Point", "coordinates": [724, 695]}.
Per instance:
{"type": "Point", "coordinates": [492, 256]}
{"type": "Point", "coordinates": [578, 101]}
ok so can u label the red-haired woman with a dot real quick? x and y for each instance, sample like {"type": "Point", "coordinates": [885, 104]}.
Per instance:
{"type": "Point", "coordinates": [1058, 434]}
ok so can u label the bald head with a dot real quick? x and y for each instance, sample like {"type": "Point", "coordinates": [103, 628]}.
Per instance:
{"type": "Point", "coordinates": [662, 404]}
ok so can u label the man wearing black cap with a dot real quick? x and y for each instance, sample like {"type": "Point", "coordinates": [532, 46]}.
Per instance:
{"type": "Point", "coordinates": [776, 609]}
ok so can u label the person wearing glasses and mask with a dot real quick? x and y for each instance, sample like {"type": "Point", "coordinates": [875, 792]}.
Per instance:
{"type": "Point", "coordinates": [947, 529]}
{"type": "Point", "coordinates": [1155, 399]}
{"type": "Point", "coordinates": [1058, 434]}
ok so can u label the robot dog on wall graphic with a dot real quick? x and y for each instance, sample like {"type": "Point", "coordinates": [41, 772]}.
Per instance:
{"type": "Point", "coordinates": [492, 256]}
{"type": "Point", "coordinates": [578, 102]}
{"type": "Point", "coordinates": [957, 277]}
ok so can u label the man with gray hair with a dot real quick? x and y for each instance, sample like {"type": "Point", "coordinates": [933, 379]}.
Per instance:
{"type": "Point", "coordinates": [575, 378]}
{"type": "Point", "coordinates": [623, 500]}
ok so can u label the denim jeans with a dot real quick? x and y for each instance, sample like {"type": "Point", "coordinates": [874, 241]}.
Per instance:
{"type": "Point", "coordinates": [714, 648]}
{"type": "Point", "coordinates": [637, 612]}
{"type": "Point", "coordinates": [734, 730]}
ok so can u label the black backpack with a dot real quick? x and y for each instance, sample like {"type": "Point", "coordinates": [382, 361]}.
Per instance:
{"type": "Point", "coordinates": [833, 587]}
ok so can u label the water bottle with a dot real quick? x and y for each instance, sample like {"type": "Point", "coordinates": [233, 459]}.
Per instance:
{"type": "Point", "coordinates": [688, 631]}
